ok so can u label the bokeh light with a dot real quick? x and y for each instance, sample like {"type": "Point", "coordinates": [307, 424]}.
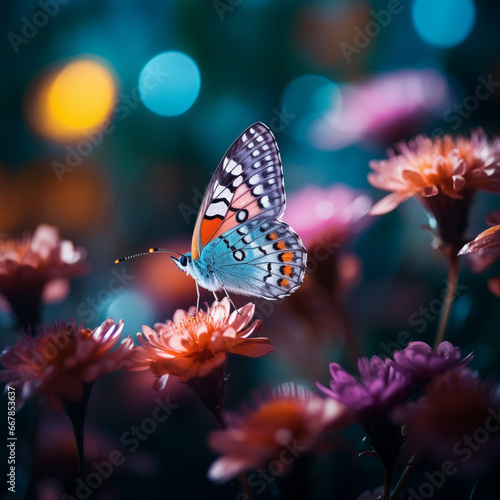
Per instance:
{"type": "Point", "coordinates": [74, 100]}
{"type": "Point", "coordinates": [445, 23]}
{"type": "Point", "coordinates": [133, 308]}
{"type": "Point", "coordinates": [169, 83]}
{"type": "Point", "coordinates": [306, 99]}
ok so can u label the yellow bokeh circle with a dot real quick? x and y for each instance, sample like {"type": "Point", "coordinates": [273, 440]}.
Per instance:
{"type": "Point", "coordinates": [73, 100]}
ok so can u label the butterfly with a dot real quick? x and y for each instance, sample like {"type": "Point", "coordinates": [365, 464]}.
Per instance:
{"type": "Point", "coordinates": [240, 244]}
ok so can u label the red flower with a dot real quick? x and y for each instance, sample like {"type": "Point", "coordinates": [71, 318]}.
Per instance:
{"type": "Point", "coordinates": [289, 422]}
{"type": "Point", "coordinates": [61, 358]}
{"type": "Point", "coordinates": [197, 342]}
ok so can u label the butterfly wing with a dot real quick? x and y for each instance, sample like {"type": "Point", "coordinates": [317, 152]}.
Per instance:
{"type": "Point", "coordinates": [261, 257]}
{"type": "Point", "coordinates": [248, 183]}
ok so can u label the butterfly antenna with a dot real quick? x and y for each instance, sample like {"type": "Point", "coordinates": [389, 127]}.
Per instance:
{"type": "Point", "coordinates": [151, 250]}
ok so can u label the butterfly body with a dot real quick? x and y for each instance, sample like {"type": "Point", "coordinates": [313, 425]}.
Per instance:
{"type": "Point", "coordinates": [240, 244]}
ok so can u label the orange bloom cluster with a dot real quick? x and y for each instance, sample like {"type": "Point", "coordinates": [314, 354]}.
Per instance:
{"type": "Point", "coordinates": [28, 265]}
{"type": "Point", "coordinates": [61, 358]}
{"type": "Point", "coordinates": [427, 167]}
{"type": "Point", "coordinates": [287, 424]}
{"type": "Point", "coordinates": [196, 342]}
{"type": "Point", "coordinates": [443, 174]}
{"type": "Point", "coordinates": [42, 257]}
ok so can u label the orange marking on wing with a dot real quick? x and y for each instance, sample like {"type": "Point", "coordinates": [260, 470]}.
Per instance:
{"type": "Point", "coordinates": [273, 236]}
{"type": "Point", "coordinates": [242, 198]}
{"type": "Point", "coordinates": [195, 250]}
{"type": "Point", "coordinates": [283, 282]}
{"type": "Point", "coordinates": [287, 271]}
{"type": "Point", "coordinates": [208, 228]}
{"type": "Point", "coordinates": [281, 245]}
{"type": "Point", "coordinates": [287, 257]}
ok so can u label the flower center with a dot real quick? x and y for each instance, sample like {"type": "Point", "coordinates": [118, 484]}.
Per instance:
{"type": "Point", "coordinates": [59, 345]}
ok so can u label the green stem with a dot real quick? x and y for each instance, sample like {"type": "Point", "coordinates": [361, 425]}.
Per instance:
{"type": "Point", "coordinates": [448, 301]}
{"type": "Point", "coordinates": [473, 492]}
{"type": "Point", "coordinates": [387, 483]}
{"type": "Point", "coordinates": [403, 477]}
{"type": "Point", "coordinates": [76, 412]}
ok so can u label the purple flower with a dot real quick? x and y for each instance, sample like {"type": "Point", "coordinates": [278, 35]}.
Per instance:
{"type": "Point", "coordinates": [421, 364]}
{"type": "Point", "coordinates": [380, 389]}
{"type": "Point", "coordinates": [381, 386]}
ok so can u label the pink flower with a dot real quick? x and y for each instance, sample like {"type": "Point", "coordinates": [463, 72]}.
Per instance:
{"type": "Point", "coordinates": [443, 174]}
{"type": "Point", "coordinates": [327, 216]}
{"type": "Point", "coordinates": [287, 423]}
{"type": "Point", "coordinates": [61, 358]}
{"type": "Point", "coordinates": [31, 265]}
{"type": "Point", "coordinates": [197, 342]}
{"type": "Point", "coordinates": [381, 109]}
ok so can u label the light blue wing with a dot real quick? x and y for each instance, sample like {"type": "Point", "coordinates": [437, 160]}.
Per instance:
{"type": "Point", "coordinates": [262, 257]}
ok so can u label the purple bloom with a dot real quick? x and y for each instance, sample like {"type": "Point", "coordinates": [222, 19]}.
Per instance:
{"type": "Point", "coordinates": [380, 389]}
{"type": "Point", "coordinates": [421, 364]}
{"type": "Point", "coordinates": [381, 386]}
{"type": "Point", "coordinates": [372, 495]}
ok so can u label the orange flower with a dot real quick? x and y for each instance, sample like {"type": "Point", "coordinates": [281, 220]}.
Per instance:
{"type": "Point", "coordinates": [197, 342]}
{"type": "Point", "coordinates": [485, 250]}
{"type": "Point", "coordinates": [443, 174]}
{"type": "Point", "coordinates": [28, 265]}
{"type": "Point", "coordinates": [61, 358]}
{"type": "Point", "coordinates": [290, 422]}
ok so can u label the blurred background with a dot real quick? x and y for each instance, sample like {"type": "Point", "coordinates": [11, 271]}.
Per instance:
{"type": "Point", "coordinates": [115, 114]}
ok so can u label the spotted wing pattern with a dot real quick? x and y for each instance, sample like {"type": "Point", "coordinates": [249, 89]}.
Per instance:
{"type": "Point", "coordinates": [261, 257]}
{"type": "Point", "coordinates": [248, 183]}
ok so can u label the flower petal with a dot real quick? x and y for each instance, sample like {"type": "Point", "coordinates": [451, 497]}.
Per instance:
{"type": "Point", "coordinates": [389, 203]}
{"type": "Point", "coordinates": [253, 347]}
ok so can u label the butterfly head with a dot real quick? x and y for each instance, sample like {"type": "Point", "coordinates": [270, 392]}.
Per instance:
{"type": "Point", "coordinates": [184, 262]}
